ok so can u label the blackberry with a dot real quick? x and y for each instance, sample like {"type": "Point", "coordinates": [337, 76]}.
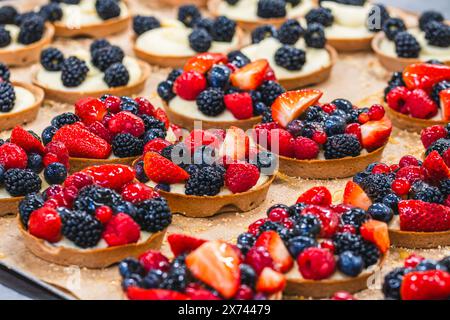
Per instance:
{"type": "Point", "coordinates": [174, 74]}
{"type": "Point", "coordinates": [270, 90]}
{"type": "Point", "coordinates": [7, 15]}
{"type": "Point", "coordinates": [142, 24]}
{"type": "Point", "coordinates": [7, 97]}
{"type": "Point", "coordinates": [440, 145]}
{"type": "Point", "coordinates": [429, 16]}
{"type": "Point", "coordinates": [237, 58]}
{"type": "Point", "coordinates": [51, 59]}
{"type": "Point", "coordinates": [425, 192]}
{"type": "Point", "coordinates": [51, 12]}
{"type": "Point", "coordinates": [341, 146]}
{"type": "Point", "coordinates": [370, 253]}
{"type": "Point", "coordinates": [48, 133]}
{"type": "Point", "coordinates": [271, 9]}
{"type": "Point", "coordinates": [356, 244]}
{"type": "Point", "coordinates": [107, 56]}
{"type": "Point", "coordinates": [74, 71]}
{"type": "Point", "coordinates": [188, 14]}
{"type": "Point", "coordinates": [5, 74]}
{"type": "Point", "coordinates": [107, 9]}
{"type": "Point", "coordinates": [81, 228]}
{"type": "Point", "coordinates": [393, 282]}
{"type": "Point", "coordinates": [98, 44]}
{"type": "Point", "coordinates": [245, 241]}
{"type": "Point", "coordinates": [152, 123]}
{"type": "Point", "coordinates": [437, 88]}
{"type": "Point", "coordinates": [20, 182]}
{"type": "Point", "coordinates": [200, 40]}
{"type": "Point", "coordinates": [126, 145]}
{"type": "Point", "coordinates": [290, 32]}
{"type": "Point", "coordinates": [55, 173]}
{"type": "Point", "coordinates": [176, 279]}
{"type": "Point", "coordinates": [129, 104]}
{"type": "Point", "coordinates": [34, 162]}
{"type": "Point", "coordinates": [315, 36]}
{"type": "Point", "coordinates": [259, 108]}
{"type": "Point", "coordinates": [271, 226]}
{"type": "Point", "coordinates": [210, 102]}
{"type": "Point", "coordinates": [406, 45]}
{"type": "Point", "coordinates": [296, 209]}
{"type": "Point", "coordinates": [165, 91]}
{"type": "Point", "coordinates": [262, 32]}
{"type": "Point", "coordinates": [64, 119]}
{"type": "Point", "coordinates": [116, 75]}
{"type": "Point", "coordinates": [306, 224]}
{"type": "Point", "coordinates": [31, 30]}
{"type": "Point", "coordinates": [377, 186]}
{"type": "Point", "coordinates": [315, 114]}
{"type": "Point", "coordinates": [392, 27]}
{"type": "Point", "coordinates": [205, 182]}
{"type": "Point", "coordinates": [223, 29]}
{"type": "Point", "coordinates": [444, 187]}
{"type": "Point", "coordinates": [248, 275]}
{"type": "Point", "coordinates": [153, 215]}
{"type": "Point", "coordinates": [151, 134]}
{"type": "Point", "coordinates": [290, 58]}
{"type": "Point", "coordinates": [267, 117]}
{"type": "Point", "coordinates": [377, 17]}
{"type": "Point", "coordinates": [320, 15]}
{"type": "Point", "coordinates": [31, 202]}
{"type": "Point", "coordinates": [438, 34]}
{"type": "Point", "coordinates": [355, 217]}
{"type": "Point", "coordinates": [204, 23]}
{"type": "Point", "coordinates": [5, 37]}
{"type": "Point", "coordinates": [91, 197]}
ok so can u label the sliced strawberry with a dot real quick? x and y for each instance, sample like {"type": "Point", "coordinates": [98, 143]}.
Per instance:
{"type": "Point", "coordinates": [135, 293]}
{"type": "Point", "coordinates": [235, 146]}
{"type": "Point", "coordinates": [26, 140]}
{"type": "Point", "coordinates": [375, 134]}
{"type": "Point", "coordinates": [435, 168]}
{"type": "Point", "coordinates": [181, 243]}
{"type": "Point", "coordinates": [251, 76]}
{"type": "Point", "coordinates": [377, 232]}
{"type": "Point", "coordinates": [216, 264]}
{"type": "Point", "coordinates": [354, 195]}
{"type": "Point", "coordinates": [317, 195]}
{"type": "Point", "coordinates": [281, 257]}
{"type": "Point", "coordinates": [162, 170]}
{"type": "Point", "coordinates": [425, 75]}
{"type": "Point", "coordinates": [113, 176]}
{"type": "Point", "coordinates": [420, 216]}
{"type": "Point", "coordinates": [90, 110]}
{"type": "Point", "coordinates": [444, 97]}
{"type": "Point", "coordinates": [290, 105]}
{"type": "Point", "coordinates": [270, 281]}
{"type": "Point", "coordinates": [204, 61]}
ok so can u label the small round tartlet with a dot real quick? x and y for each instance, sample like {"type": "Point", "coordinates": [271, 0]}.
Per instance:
{"type": "Point", "coordinates": [98, 217]}
{"type": "Point", "coordinates": [320, 247]}
{"type": "Point", "coordinates": [323, 140]}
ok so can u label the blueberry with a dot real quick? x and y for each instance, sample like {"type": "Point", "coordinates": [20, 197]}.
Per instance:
{"type": "Point", "coordinates": [153, 279]}
{"type": "Point", "coordinates": [174, 74]}
{"type": "Point", "coordinates": [165, 91]}
{"type": "Point", "coordinates": [342, 114]}
{"type": "Point", "coordinates": [140, 173]}
{"type": "Point", "coordinates": [392, 200]}
{"type": "Point", "coordinates": [245, 241]}
{"type": "Point", "coordinates": [297, 244]}
{"type": "Point", "coordinates": [151, 134]}
{"type": "Point", "coordinates": [295, 127]}
{"type": "Point", "coordinates": [48, 133]}
{"type": "Point", "coordinates": [163, 187]}
{"type": "Point", "coordinates": [427, 264]}
{"type": "Point", "coordinates": [248, 275]}
{"type": "Point", "coordinates": [343, 104]}
{"type": "Point", "coordinates": [335, 125]}
{"type": "Point", "coordinates": [125, 207]}
{"type": "Point", "coordinates": [218, 76]}
{"type": "Point", "coordinates": [2, 174]}
{"type": "Point", "coordinates": [307, 224]}
{"type": "Point", "coordinates": [128, 104]}
{"type": "Point", "coordinates": [256, 96]}
{"type": "Point", "coordinates": [130, 266]}
{"type": "Point", "coordinates": [370, 167]}
{"type": "Point", "coordinates": [350, 264]}
{"type": "Point", "coordinates": [35, 162]}
{"type": "Point", "coordinates": [444, 264]}
{"type": "Point", "coordinates": [381, 212]}
{"type": "Point", "coordinates": [259, 108]}
{"type": "Point", "coordinates": [134, 280]}
{"type": "Point", "coordinates": [55, 173]}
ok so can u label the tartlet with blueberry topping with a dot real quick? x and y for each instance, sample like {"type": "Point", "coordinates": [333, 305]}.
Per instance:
{"type": "Point", "coordinates": [105, 69]}
{"type": "Point", "coordinates": [98, 217]}
{"type": "Point", "coordinates": [323, 140]}
{"type": "Point", "coordinates": [320, 247]}
{"type": "Point", "coordinates": [173, 42]}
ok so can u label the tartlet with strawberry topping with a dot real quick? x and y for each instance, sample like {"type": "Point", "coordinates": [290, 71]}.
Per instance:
{"type": "Point", "coordinates": [220, 91]}
{"type": "Point", "coordinates": [209, 172]}
{"type": "Point", "coordinates": [320, 247]}
{"type": "Point", "coordinates": [199, 270]}
{"type": "Point", "coordinates": [412, 197]}
{"type": "Point", "coordinates": [323, 140]}
{"type": "Point", "coordinates": [96, 218]}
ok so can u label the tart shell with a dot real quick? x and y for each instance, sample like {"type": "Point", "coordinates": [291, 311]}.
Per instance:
{"type": "Point", "coordinates": [78, 164]}
{"type": "Point", "coordinates": [95, 30]}
{"type": "Point", "coordinates": [351, 45]}
{"type": "Point", "coordinates": [419, 240]}
{"type": "Point", "coordinates": [30, 53]}
{"type": "Point", "coordinates": [67, 96]}
{"type": "Point", "coordinates": [9, 205]}
{"type": "Point", "coordinates": [10, 119]}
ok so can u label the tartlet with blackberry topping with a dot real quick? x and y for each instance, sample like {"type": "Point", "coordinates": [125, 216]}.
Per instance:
{"type": "Point", "coordinates": [323, 140]}
{"type": "Point", "coordinates": [22, 36]}
{"type": "Point", "coordinates": [220, 91]}
{"type": "Point", "coordinates": [250, 14]}
{"type": "Point", "coordinates": [321, 248]}
{"type": "Point", "coordinates": [173, 42]}
{"type": "Point", "coordinates": [104, 69]}
{"type": "Point", "coordinates": [98, 217]}
{"type": "Point", "coordinates": [297, 56]}
{"type": "Point", "coordinates": [209, 172]}
{"type": "Point", "coordinates": [400, 45]}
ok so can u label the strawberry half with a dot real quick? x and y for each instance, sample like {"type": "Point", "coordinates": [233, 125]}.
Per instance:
{"type": "Point", "coordinates": [26, 140]}
{"type": "Point", "coordinates": [235, 145]}
{"type": "Point", "coordinates": [434, 167]}
{"type": "Point", "coordinates": [204, 61]}
{"type": "Point", "coordinates": [135, 293]}
{"type": "Point", "coordinates": [270, 281]}
{"type": "Point", "coordinates": [376, 232]}
{"type": "Point", "coordinates": [280, 255]}
{"type": "Point", "coordinates": [250, 76]}
{"type": "Point", "coordinates": [425, 75]}
{"type": "Point", "coordinates": [113, 176]}
{"type": "Point", "coordinates": [316, 195]}
{"type": "Point", "coordinates": [162, 170]}
{"type": "Point", "coordinates": [444, 97]}
{"type": "Point", "coordinates": [290, 105]}
{"type": "Point", "coordinates": [355, 196]}
{"type": "Point", "coordinates": [375, 134]}
{"type": "Point", "coordinates": [181, 243]}
{"type": "Point", "coordinates": [420, 216]}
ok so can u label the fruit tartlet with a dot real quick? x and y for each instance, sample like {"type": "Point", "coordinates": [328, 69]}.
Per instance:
{"type": "Point", "coordinates": [297, 56]}
{"type": "Point", "coordinates": [412, 197]}
{"type": "Point", "coordinates": [179, 40]}
{"type": "Point", "coordinates": [419, 279]}
{"type": "Point", "coordinates": [209, 172]}
{"type": "Point", "coordinates": [19, 102]}
{"type": "Point", "coordinates": [97, 217]}
{"type": "Point", "coordinates": [323, 140]}
{"type": "Point", "coordinates": [22, 36]}
{"type": "Point", "coordinates": [104, 69]}
{"type": "Point", "coordinates": [250, 14]}
{"type": "Point", "coordinates": [220, 91]}
{"type": "Point", "coordinates": [321, 248]}
{"type": "Point", "coordinates": [107, 130]}
{"type": "Point", "coordinates": [27, 166]}
{"type": "Point", "coordinates": [419, 96]}
{"type": "Point", "coordinates": [398, 45]}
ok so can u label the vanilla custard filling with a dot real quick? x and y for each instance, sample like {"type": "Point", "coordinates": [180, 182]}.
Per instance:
{"type": "Point", "coordinates": [316, 59]}
{"type": "Point", "coordinates": [172, 40]}
{"type": "Point", "coordinates": [84, 13]}
{"type": "Point", "coordinates": [246, 10]}
{"type": "Point", "coordinates": [14, 33]}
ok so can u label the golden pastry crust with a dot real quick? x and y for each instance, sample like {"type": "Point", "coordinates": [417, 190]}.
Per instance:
{"type": "Point", "coordinates": [419, 240]}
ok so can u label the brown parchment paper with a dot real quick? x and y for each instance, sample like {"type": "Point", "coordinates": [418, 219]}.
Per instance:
{"type": "Point", "coordinates": [354, 77]}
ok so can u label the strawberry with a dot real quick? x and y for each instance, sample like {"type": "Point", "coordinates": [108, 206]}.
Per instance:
{"type": "Point", "coordinates": [121, 230]}
{"type": "Point", "coordinates": [432, 134]}
{"type": "Point", "coordinates": [189, 85]}
{"type": "Point", "coordinates": [426, 285]}
{"type": "Point", "coordinates": [180, 243]}
{"type": "Point", "coordinates": [126, 122]}
{"type": "Point", "coordinates": [250, 76]}
{"type": "Point", "coordinates": [444, 98]}
{"type": "Point", "coordinates": [58, 149]}
{"type": "Point", "coordinates": [377, 232]}
{"type": "Point", "coordinates": [136, 192]}
{"type": "Point", "coordinates": [90, 110]}
{"type": "Point", "coordinates": [26, 140]}
{"type": "Point", "coordinates": [12, 156]}
{"type": "Point", "coordinates": [281, 142]}
{"type": "Point", "coordinates": [217, 265]}
{"type": "Point", "coordinates": [241, 177]}
{"type": "Point", "coordinates": [396, 99]}
{"type": "Point", "coordinates": [235, 146]}
{"type": "Point", "coordinates": [204, 61]}
{"type": "Point", "coordinates": [435, 168]}
{"type": "Point", "coordinates": [410, 173]}
{"type": "Point", "coordinates": [240, 105]}
{"type": "Point", "coordinates": [318, 195]}
{"type": "Point", "coordinates": [100, 130]}
{"type": "Point", "coordinates": [154, 260]}
{"type": "Point", "coordinates": [420, 104]}
{"type": "Point", "coordinates": [375, 134]}
{"type": "Point", "coordinates": [135, 293]}
{"type": "Point", "coordinates": [113, 176]}
{"type": "Point", "coordinates": [291, 104]}
{"type": "Point", "coordinates": [420, 216]}
{"type": "Point", "coordinates": [161, 115]}
{"type": "Point", "coordinates": [259, 258]}
{"type": "Point", "coordinates": [305, 148]}
{"type": "Point", "coordinates": [280, 255]}
{"type": "Point", "coordinates": [200, 294]}
{"type": "Point", "coordinates": [316, 263]}
{"type": "Point", "coordinates": [145, 106]}
{"type": "Point", "coordinates": [199, 138]}
{"type": "Point", "coordinates": [156, 145]}
{"type": "Point", "coordinates": [270, 281]}
{"type": "Point", "coordinates": [354, 195]}
{"type": "Point", "coordinates": [328, 218]}
{"type": "Point", "coordinates": [162, 170]}
{"type": "Point", "coordinates": [45, 223]}
{"type": "Point", "coordinates": [424, 75]}
{"type": "Point", "coordinates": [82, 143]}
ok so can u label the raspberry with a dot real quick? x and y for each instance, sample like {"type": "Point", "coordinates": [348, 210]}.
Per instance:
{"type": "Point", "coordinates": [112, 104]}
{"type": "Point", "coordinates": [432, 134]}
{"type": "Point", "coordinates": [420, 105]}
{"type": "Point", "coordinates": [277, 214]}
{"type": "Point", "coordinates": [320, 137]}
{"type": "Point", "coordinates": [381, 168]}
{"type": "Point", "coordinates": [45, 223]}
{"type": "Point", "coordinates": [126, 122]}
{"type": "Point", "coordinates": [12, 156]}
{"type": "Point", "coordinates": [316, 263]}
{"type": "Point", "coordinates": [103, 214]}
{"type": "Point", "coordinates": [354, 129]}
{"type": "Point", "coordinates": [136, 192]}
{"type": "Point", "coordinates": [408, 161]}
{"type": "Point", "coordinates": [401, 186]}
{"type": "Point", "coordinates": [259, 258]}
{"type": "Point", "coordinates": [189, 85]}
{"type": "Point", "coordinates": [239, 104]}
{"type": "Point", "coordinates": [410, 173]}
{"type": "Point", "coordinates": [413, 260]}
{"type": "Point", "coordinates": [241, 177]}
{"type": "Point", "coordinates": [396, 99]}
{"type": "Point", "coordinates": [305, 148]}
{"type": "Point", "coordinates": [154, 260]}
{"type": "Point", "coordinates": [121, 230]}
{"type": "Point", "coordinates": [254, 227]}
{"type": "Point", "coordinates": [376, 112]}
{"type": "Point", "coordinates": [78, 180]}
{"type": "Point", "coordinates": [59, 150]}
{"type": "Point", "coordinates": [145, 106]}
